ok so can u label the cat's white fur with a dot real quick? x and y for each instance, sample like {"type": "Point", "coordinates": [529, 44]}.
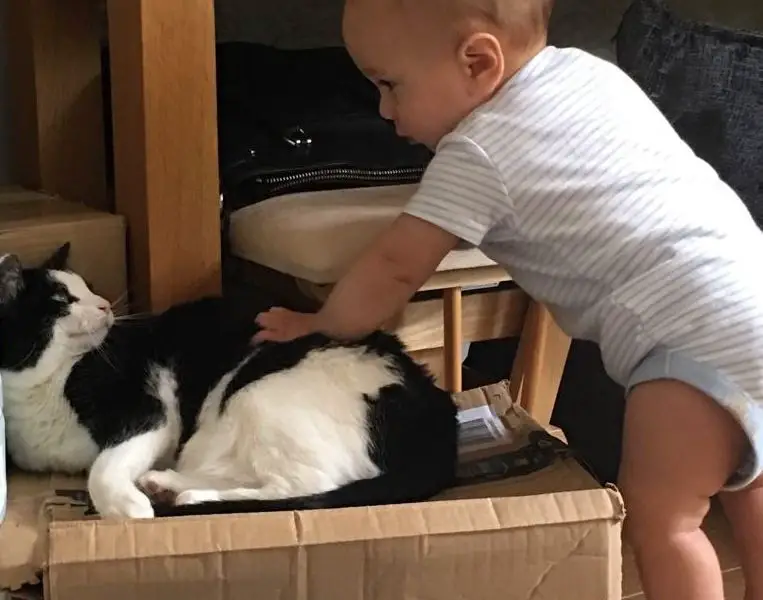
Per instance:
{"type": "Point", "coordinates": [291, 433]}
{"type": "Point", "coordinates": [41, 428]}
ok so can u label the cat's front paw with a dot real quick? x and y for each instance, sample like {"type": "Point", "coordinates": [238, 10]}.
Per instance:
{"type": "Point", "coordinates": [196, 497]}
{"type": "Point", "coordinates": [122, 504]}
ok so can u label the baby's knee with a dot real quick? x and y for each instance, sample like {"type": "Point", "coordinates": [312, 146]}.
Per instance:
{"type": "Point", "coordinates": [661, 513]}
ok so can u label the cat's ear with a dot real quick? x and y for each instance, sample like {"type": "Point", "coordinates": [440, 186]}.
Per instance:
{"type": "Point", "coordinates": [59, 260]}
{"type": "Point", "coordinates": [11, 280]}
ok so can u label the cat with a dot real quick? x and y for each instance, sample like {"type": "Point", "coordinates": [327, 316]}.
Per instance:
{"type": "Point", "coordinates": [181, 413]}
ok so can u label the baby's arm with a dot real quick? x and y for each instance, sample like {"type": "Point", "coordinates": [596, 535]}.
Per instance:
{"type": "Point", "coordinates": [461, 196]}
{"type": "Point", "coordinates": [385, 277]}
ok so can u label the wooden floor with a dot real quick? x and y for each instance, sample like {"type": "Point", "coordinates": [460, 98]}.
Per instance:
{"type": "Point", "coordinates": [719, 532]}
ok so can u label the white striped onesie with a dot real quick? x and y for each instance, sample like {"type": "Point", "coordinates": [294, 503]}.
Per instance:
{"type": "Point", "coordinates": [573, 180]}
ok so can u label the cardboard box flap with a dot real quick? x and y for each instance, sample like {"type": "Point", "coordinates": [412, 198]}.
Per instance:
{"type": "Point", "coordinates": [450, 517]}
{"type": "Point", "coordinates": [496, 395]}
{"type": "Point", "coordinates": [35, 224]}
{"type": "Point", "coordinates": [23, 532]}
{"type": "Point", "coordinates": [103, 540]}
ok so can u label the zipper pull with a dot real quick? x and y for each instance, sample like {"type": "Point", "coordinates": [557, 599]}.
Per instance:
{"type": "Point", "coordinates": [297, 138]}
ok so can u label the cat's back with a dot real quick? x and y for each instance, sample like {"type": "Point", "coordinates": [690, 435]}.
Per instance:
{"type": "Point", "coordinates": [367, 367]}
{"type": "Point", "coordinates": [212, 330]}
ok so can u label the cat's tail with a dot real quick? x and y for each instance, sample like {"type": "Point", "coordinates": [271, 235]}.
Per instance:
{"type": "Point", "coordinates": [389, 488]}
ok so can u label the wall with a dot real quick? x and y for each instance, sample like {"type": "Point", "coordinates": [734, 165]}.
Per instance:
{"type": "Point", "coordinates": [4, 174]}
{"type": "Point", "coordinates": [305, 23]}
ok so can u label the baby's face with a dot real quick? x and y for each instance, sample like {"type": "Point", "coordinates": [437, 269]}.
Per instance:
{"type": "Point", "coordinates": [422, 88]}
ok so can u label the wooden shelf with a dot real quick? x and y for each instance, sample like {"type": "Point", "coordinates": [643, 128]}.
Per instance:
{"type": "Point", "coordinates": [164, 122]}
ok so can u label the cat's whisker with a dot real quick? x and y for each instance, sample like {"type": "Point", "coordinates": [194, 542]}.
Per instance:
{"type": "Point", "coordinates": [106, 358]}
{"type": "Point", "coordinates": [121, 319]}
{"type": "Point", "coordinates": [121, 300]}
{"type": "Point", "coordinates": [102, 352]}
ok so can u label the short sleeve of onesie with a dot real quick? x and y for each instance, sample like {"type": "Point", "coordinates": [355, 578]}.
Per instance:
{"type": "Point", "coordinates": [461, 191]}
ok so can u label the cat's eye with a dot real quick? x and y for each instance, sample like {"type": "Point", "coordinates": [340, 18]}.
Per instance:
{"type": "Point", "coordinates": [62, 298]}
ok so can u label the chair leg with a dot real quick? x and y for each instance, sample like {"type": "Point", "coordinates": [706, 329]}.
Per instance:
{"type": "Point", "coordinates": [539, 364]}
{"type": "Point", "coordinates": [453, 339]}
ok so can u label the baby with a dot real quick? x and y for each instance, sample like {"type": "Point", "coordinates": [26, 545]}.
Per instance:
{"type": "Point", "coordinates": [558, 167]}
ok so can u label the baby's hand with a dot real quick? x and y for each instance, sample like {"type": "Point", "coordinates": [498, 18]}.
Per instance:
{"type": "Point", "coordinates": [283, 325]}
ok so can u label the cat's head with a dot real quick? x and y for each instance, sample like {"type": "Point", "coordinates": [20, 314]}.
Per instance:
{"type": "Point", "coordinates": [47, 309]}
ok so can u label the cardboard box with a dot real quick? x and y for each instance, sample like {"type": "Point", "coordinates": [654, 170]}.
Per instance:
{"type": "Point", "coordinates": [548, 530]}
{"type": "Point", "coordinates": [33, 225]}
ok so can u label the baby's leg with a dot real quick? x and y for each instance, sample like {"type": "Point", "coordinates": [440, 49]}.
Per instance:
{"type": "Point", "coordinates": [679, 449]}
{"type": "Point", "coordinates": [745, 512]}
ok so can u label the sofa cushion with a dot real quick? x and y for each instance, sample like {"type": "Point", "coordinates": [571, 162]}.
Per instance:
{"type": "Point", "coordinates": [708, 81]}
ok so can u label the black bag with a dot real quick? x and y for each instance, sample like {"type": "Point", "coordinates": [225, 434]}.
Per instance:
{"type": "Point", "coordinates": [302, 120]}
{"type": "Point", "coordinates": [708, 82]}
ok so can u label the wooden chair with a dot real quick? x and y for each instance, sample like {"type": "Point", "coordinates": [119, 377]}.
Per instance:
{"type": "Point", "coordinates": [539, 364]}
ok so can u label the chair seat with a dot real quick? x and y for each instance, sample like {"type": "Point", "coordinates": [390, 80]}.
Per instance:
{"type": "Point", "coordinates": [315, 236]}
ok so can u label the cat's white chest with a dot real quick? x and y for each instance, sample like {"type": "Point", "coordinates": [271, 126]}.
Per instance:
{"type": "Point", "coordinates": [43, 431]}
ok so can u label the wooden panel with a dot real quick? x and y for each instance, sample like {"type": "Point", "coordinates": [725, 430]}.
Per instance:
{"type": "Point", "coordinates": [485, 316]}
{"type": "Point", "coordinates": [539, 364]}
{"type": "Point", "coordinates": [54, 73]}
{"type": "Point", "coordinates": [165, 149]}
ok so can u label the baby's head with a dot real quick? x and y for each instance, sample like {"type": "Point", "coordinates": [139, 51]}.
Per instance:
{"type": "Point", "coordinates": [435, 61]}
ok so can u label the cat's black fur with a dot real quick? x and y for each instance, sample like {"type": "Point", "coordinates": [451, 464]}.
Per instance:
{"type": "Point", "coordinates": [414, 426]}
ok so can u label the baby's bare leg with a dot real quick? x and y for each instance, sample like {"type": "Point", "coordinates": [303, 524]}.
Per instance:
{"type": "Point", "coordinates": [745, 512]}
{"type": "Point", "coordinates": [679, 449]}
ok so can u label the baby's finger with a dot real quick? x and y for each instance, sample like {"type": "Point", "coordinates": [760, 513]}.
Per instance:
{"type": "Point", "coordinates": [268, 317]}
{"type": "Point", "coordinates": [267, 335]}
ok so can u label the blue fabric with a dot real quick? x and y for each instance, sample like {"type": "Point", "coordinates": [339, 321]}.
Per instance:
{"type": "Point", "coordinates": [670, 364]}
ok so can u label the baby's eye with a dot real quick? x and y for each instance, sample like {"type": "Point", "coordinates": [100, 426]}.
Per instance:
{"type": "Point", "coordinates": [386, 84]}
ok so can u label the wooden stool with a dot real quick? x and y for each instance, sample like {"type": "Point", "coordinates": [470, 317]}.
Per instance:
{"type": "Point", "coordinates": [539, 364]}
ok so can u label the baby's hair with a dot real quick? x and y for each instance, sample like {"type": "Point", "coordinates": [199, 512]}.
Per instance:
{"type": "Point", "coordinates": [524, 21]}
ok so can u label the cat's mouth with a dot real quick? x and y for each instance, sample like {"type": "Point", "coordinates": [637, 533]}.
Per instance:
{"type": "Point", "coordinates": [91, 334]}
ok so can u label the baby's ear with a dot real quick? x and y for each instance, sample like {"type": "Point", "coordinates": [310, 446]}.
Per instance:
{"type": "Point", "coordinates": [59, 260]}
{"type": "Point", "coordinates": [11, 280]}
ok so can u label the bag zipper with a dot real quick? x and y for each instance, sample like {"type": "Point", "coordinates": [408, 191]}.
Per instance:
{"type": "Point", "coordinates": [280, 183]}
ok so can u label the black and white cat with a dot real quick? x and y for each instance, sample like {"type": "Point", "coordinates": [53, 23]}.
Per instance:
{"type": "Point", "coordinates": [180, 414]}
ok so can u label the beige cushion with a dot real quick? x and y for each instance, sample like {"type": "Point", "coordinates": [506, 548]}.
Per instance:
{"type": "Point", "coordinates": [315, 236]}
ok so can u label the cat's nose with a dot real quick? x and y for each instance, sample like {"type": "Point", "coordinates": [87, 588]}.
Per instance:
{"type": "Point", "coordinates": [104, 306]}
